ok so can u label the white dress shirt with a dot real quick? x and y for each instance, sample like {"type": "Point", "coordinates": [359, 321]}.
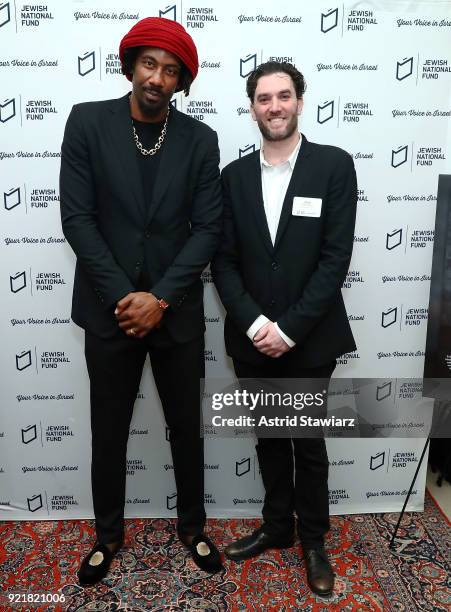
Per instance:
{"type": "Point", "coordinates": [275, 180]}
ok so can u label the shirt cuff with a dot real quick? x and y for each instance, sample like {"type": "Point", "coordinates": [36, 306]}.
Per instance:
{"type": "Point", "coordinates": [287, 339]}
{"type": "Point", "coordinates": [256, 325]}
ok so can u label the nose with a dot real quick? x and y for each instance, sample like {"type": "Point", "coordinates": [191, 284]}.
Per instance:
{"type": "Point", "coordinates": [156, 77]}
{"type": "Point", "coordinates": [274, 106]}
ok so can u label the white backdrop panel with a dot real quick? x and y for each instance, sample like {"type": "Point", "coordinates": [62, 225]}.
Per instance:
{"type": "Point", "coordinates": [379, 80]}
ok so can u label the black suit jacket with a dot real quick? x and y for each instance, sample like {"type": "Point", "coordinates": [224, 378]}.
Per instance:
{"type": "Point", "coordinates": [297, 282]}
{"type": "Point", "coordinates": [112, 231]}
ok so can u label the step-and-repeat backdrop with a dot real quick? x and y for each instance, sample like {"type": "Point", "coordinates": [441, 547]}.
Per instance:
{"type": "Point", "coordinates": [379, 76]}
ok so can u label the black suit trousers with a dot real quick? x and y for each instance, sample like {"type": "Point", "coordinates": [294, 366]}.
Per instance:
{"type": "Point", "coordinates": [294, 470]}
{"type": "Point", "coordinates": [115, 367]}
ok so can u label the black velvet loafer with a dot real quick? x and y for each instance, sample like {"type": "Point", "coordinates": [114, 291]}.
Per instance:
{"type": "Point", "coordinates": [96, 564]}
{"type": "Point", "coordinates": [254, 544]}
{"type": "Point", "coordinates": [320, 576]}
{"type": "Point", "coordinates": [204, 553]}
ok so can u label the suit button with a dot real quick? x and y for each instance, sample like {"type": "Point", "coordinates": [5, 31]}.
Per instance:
{"type": "Point", "coordinates": [272, 303]}
{"type": "Point", "coordinates": [274, 265]}
{"type": "Point", "coordinates": [147, 234]}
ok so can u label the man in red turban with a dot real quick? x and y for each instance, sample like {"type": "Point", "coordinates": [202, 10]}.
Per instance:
{"type": "Point", "coordinates": [141, 208]}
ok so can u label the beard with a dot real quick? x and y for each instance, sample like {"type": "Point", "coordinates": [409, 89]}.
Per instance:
{"type": "Point", "coordinates": [152, 108]}
{"type": "Point", "coordinates": [276, 135]}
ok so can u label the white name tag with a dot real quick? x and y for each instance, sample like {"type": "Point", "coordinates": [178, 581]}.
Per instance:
{"type": "Point", "coordinates": [306, 207]}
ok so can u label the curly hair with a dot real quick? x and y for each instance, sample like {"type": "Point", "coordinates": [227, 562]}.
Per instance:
{"type": "Point", "coordinates": [271, 68]}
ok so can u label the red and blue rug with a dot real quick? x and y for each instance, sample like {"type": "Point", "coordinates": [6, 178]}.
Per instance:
{"type": "Point", "coordinates": [154, 572]}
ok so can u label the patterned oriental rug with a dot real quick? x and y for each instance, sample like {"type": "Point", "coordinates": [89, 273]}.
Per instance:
{"type": "Point", "coordinates": [154, 572]}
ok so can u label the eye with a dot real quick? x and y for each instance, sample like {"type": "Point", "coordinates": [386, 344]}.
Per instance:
{"type": "Point", "coordinates": [172, 71]}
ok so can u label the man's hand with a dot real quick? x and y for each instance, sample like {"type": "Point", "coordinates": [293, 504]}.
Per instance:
{"type": "Point", "coordinates": [140, 312]}
{"type": "Point", "coordinates": [269, 342]}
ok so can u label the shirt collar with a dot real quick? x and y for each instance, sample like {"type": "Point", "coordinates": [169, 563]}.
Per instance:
{"type": "Point", "coordinates": [291, 160]}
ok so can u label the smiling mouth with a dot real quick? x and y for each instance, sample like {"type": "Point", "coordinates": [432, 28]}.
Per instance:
{"type": "Point", "coordinates": [275, 121]}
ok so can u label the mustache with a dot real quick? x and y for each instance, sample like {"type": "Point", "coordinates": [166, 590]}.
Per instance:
{"type": "Point", "coordinates": [153, 90]}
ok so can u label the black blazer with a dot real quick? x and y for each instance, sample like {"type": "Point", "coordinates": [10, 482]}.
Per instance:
{"type": "Point", "coordinates": [297, 282]}
{"type": "Point", "coordinates": [114, 234]}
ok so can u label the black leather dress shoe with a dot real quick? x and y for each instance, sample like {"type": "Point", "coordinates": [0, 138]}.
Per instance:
{"type": "Point", "coordinates": [204, 553]}
{"type": "Point", "coordinates": [254, 544]}
{"type": "Point", "coordinates": [96, 564]}
{"type": "Point", "coordinates": [320, 576]}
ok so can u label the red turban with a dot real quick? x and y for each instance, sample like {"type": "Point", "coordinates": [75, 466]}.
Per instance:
{"type": "Point", "coordinates": [164, 34]}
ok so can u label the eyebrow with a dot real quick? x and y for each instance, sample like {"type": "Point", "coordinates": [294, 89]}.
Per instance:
{"type": "Point", "coordinates": [283, 91]}
{"type": "Point", "coordinates": [147, 56]}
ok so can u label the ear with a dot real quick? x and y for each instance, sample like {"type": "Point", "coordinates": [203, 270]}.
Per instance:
{"type": "Point", "coordinates": [251, 108]}
{"type": "Point", "coordinates": [300, 105]}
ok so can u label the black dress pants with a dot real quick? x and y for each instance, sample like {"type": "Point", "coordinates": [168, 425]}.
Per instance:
{"type": "Point", "coordinates": [294, 470]}
{"type": "Point", "coordinates": [115, 367]}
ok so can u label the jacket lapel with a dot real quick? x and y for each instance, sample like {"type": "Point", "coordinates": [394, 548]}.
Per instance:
{"type": "Point", "coordinates": [294, 188]}
{"type": "Point", "coordinates": [254, 182]}
{"type": "Point", "coordinates": [173, 151]}
{"type": "Point", "coordinates": [124, 149]}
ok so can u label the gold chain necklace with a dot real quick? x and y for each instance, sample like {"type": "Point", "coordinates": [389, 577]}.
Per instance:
{"type": "Point", "coordinates": [159, 142]}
